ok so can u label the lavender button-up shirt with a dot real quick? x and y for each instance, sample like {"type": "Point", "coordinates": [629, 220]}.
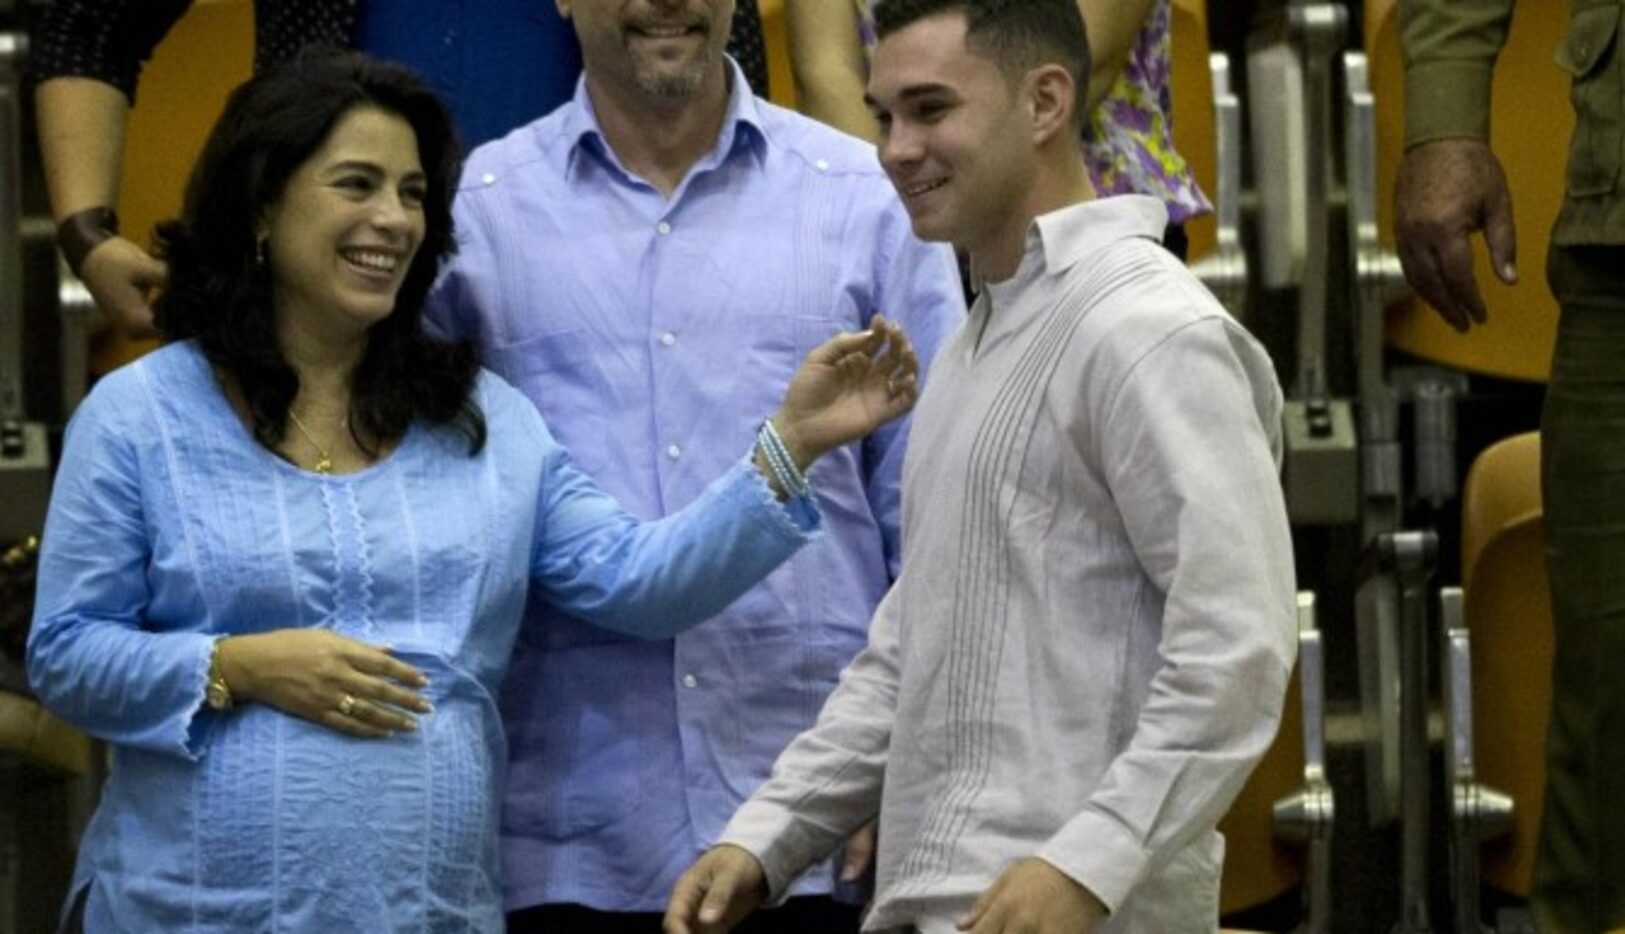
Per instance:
{"type": "Point", "coordinates": [654, 334]}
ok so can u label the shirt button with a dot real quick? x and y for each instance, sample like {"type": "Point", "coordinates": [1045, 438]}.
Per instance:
{"type": "Point", "coordinates": [488, 179]}
{"type": "Point", "coordinates": [674, 452]}
{"type": "Point", "coordinates": [667, 339]}
{"type": "Point", "coordinates": [689, 681]}
{"type": "Point", "coordinates": [663, 227]}
{"type": "Point", "coordinates": [822, 165]}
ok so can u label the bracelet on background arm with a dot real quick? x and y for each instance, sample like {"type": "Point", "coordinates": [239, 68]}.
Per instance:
{"type": "Point", "coordinates": [83, 231]}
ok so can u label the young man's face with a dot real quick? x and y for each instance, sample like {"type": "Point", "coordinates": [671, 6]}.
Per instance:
{"type": "Point", "coordinates": [662, 49]}
{"type": "Point", "coordinates": [952, 137]}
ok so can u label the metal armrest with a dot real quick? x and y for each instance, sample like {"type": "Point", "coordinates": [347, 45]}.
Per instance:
{"type": "Point", "coordinates": [1307, 814]}
{"type": "Point", "coordinates": [1224, 271]}
{"type": "Point", "coordinates": [1378, 280]}
{"type": "Point", "coordinates": [1400, 565]}
{"type": "Point", "coordinates": [80, 317]}
{"type": "Point", "coordinates": [1478, 812]}
{"type": "Point", "coordinates": [13, 52]}
{"type": "Point", "coordinates": [24, 456]}
{"type": "Point", "coordinates": [1296, 52]}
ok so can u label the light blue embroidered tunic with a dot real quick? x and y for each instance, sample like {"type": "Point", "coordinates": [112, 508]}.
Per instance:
{"type": "Point", "coordinates": [170, 527]}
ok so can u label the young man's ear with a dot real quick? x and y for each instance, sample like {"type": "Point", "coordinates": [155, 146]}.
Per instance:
{"type": "Point", "coordinates": [1052, 98]}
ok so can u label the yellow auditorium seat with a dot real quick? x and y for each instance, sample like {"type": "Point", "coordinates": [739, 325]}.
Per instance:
{"type": "Point", "coordinates": [1193, 118]}
{"type": "Point", "coordinates": [1258, 868]}
{"type": "Point", "coordinates": [1507, 611]}
{"type": "Point", "coordinates": [781, 80]}
{"type": "Point", "coordinates": [1286, 798]}
{"type": "Point", "coordinates": [1530, 127]}
{"type": "Point", "coordinates": [183, 89]}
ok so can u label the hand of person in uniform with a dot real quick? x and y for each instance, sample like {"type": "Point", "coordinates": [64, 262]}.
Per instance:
{"type": "Point", "coordinates": [1033, 897]}
{"type": "Point", "coordinates": [321, 676]}
{"type": "Point", "coordinates": [1448, 190]}
{"type": "Point", "coordinates": [119, 275]}
{"type": "Point", "coordinates": [716, 893]}
{"type": "Point", "coordinates": [847, 387]}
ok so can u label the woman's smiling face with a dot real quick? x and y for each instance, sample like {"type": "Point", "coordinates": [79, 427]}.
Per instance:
{"type": "Point", "coordinates": [342, 236]}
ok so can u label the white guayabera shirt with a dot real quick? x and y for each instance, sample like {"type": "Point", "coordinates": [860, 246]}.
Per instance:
{"type": "Point", "coordinates": [1090, 642]}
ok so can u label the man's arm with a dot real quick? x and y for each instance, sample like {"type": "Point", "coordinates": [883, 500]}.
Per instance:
{"type": "Point", "coordinates": [85, 69]}
{"type": "Point", "coordinates": [81, 128]}
{"type": "Point", "coordinates": [826, 53]}
{"type": "Point", "coordinates": [1187, 451]}
{"type": "Point", "coordinates": [1450, 184]}
{"type": "Point", "coordinates": [1114, 29]}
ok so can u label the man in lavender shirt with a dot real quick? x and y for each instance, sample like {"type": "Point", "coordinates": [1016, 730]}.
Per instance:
{"type": "Point", "coordinates": [648, 263]}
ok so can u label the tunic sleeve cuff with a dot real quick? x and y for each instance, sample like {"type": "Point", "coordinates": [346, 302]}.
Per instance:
{"type": "Point", "coordinates": [1447, 100]}
{"type": "Point", "coordinates": [797, 518]}
{"type": "Point", "coordinates": [1099, 854]}
{"type": "Point", "coordinates": [201, 716]}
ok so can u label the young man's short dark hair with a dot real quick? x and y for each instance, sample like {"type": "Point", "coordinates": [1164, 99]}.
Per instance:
{"type": "Point", "coordinates": [1018, 35]}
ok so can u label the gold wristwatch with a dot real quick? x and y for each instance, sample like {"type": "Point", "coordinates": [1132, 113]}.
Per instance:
{"type": "Point", "coordinates": [217, 694]}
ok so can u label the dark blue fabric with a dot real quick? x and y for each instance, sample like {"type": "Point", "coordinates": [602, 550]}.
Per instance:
{"type": "Point", "coordinates": [498, 63]}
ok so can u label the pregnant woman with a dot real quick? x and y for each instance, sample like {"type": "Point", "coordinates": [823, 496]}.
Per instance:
{"type": "Point", "coordinates": [288, 552]}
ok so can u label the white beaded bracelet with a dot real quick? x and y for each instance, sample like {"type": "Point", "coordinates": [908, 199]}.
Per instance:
{"type": "Point", "coordinates": [779, 460]}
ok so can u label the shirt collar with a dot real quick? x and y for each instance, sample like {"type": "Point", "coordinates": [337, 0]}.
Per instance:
{"type": "Point", "coordinates": [1061, 239]}
{"type": "Point", "coordinates": [1065, 237]}
{"type": "Point", "coordinates": [741, 128]}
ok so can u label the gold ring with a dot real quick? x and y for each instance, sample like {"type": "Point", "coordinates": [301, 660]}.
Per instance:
{"type": "Point", "coordinates": [347, 705]}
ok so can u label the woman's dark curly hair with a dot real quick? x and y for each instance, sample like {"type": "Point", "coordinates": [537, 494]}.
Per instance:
{"type": "Point", "coordinates": [222, 296]}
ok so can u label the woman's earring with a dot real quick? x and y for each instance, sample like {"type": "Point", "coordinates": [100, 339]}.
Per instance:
{"type": "Point", "coordinates": [259, 252]}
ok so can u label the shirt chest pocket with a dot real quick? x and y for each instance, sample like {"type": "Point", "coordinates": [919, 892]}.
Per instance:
{"type": "Point", "coordinates": [773, 346]}
{"type": "Point", "coordinates": [1589, 55]}
{"type": "Point", "coordinates": [565, 376]}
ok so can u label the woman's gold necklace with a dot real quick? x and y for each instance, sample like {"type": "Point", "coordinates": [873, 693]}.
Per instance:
{"type": "Point", "coordinates": [324, 463]}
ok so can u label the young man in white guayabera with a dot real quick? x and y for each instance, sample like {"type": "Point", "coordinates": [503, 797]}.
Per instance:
{"type": "Point", "coordinates": [1089, 645]}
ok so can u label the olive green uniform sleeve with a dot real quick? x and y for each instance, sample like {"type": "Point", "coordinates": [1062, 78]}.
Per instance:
{"type": "Point", "coordinates": [1450, 47]}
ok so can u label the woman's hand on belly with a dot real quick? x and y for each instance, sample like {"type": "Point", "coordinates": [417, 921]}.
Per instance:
{"type": "Point", "coordinates": [321, 676]}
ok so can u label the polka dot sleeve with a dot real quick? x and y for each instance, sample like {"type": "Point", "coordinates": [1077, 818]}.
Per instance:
{"type": "Point", "coordinates": [283, 27]}
{"type": "Point", "coordinates": [108, 40]}
{"type": "Point", "coordinates": [748, 47]}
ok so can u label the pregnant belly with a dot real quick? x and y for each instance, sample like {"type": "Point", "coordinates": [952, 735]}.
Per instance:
{"type": "Point", "coordinates": [286, 825]}
{"type": "Point", "coordinates": [355, 828]}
